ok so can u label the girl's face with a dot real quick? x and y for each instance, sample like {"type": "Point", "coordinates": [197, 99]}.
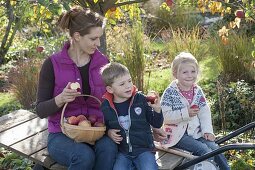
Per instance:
{"type": "Point", "coordinates": [121, 88]}
{"type": "Point", "coordinates": [89, 42]}
{"type": "Point", "coordinates": [186, 75]}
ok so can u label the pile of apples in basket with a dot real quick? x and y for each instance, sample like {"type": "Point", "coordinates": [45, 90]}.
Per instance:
{"type": "Point", "coordinates": [82, 120]}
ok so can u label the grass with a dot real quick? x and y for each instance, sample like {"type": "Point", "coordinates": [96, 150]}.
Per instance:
{"type": "Point", "coordinates": [8, 103]}
{"type": "Point", "coordinates": [157, 80]}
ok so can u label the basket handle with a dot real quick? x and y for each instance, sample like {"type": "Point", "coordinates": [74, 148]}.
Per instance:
{"type": "Point", "coordinates": [81, 95]}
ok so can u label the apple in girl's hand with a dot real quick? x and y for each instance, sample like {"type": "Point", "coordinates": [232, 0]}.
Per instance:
{"type": "Point", "coordinates": [73, 120]}
{"type": "Point", "coordinates": [194, 106]}
{"type": "Point", "coordinates": [92, 118]}
{"type": "Point", "coordinates": [81, 118]}
{"type": "Point", "coordinates": [75, 86]}
{"type": "Point", "coordinates": [98, 124]}
{"type": "Point", "coordinates": [84, 123]}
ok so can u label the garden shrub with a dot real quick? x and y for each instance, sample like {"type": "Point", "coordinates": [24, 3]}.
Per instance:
{"type": "Point", "coordinates": [15, 162]}
{"type": "Point", "coordinates": [189, 41]}
{"type": "Point", "coordinates": [132, 53]}
{"type": "Point", "coordinates": [175, 18]}
{"type": "Point", "coordinates": [232, 104]}
{"type": "Point", "coordinates": [24, 80]}
{"type": "Point", "coordinates": [234, 58]}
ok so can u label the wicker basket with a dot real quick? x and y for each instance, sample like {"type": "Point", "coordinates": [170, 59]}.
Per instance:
{"type": "Point", "coordinates": [79, 133]}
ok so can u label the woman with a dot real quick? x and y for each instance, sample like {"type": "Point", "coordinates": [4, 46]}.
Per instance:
{"type": "Point", "coordinates": [78, 61]}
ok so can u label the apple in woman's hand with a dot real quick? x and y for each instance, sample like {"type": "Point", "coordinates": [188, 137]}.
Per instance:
{"type": "Point", "coordinates": [75, 86]}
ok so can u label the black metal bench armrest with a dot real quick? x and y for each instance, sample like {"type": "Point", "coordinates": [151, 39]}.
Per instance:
{"type": "Point", "coordinates": [215, 152]}
{"type": "Point", "coordinates": [236, 132]}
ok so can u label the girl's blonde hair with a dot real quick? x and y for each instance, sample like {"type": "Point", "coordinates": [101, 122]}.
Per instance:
{"type": "Point", "coordinates": [183, 58]}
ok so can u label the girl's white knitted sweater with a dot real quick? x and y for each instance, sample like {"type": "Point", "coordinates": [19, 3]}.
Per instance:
{"type": "Point", "coordinates": [176, 117]}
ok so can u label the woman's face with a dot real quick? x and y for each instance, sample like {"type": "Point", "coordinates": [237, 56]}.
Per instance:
{"type": "Point", "coordinates": [89, 42]}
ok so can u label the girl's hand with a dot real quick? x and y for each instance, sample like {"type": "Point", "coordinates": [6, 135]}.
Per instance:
{"type": "Point", "coordinates": [209, 136]}
{"type": "Point", "coordinates": [67, 95]}
{"type": "Point", "coordinates": [193, 111]}
{"type": "Point", "coordinates": [156, 104]}
{"type": "Point", "coordinates": [113, 134]}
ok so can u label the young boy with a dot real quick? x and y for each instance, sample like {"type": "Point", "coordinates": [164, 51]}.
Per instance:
{"type": "Point", "coordinates": [128, 117]}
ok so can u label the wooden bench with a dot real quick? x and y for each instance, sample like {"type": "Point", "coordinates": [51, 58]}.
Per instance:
{"type": "Point", "coordinates": [24, 133]}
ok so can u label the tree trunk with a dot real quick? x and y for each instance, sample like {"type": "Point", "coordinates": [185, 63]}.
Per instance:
{"type": "Point", "coordinates": [9, 33]}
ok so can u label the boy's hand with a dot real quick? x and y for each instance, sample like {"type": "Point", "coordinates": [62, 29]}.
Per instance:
{"type": "Point", "coordinates": [159, 134]}
{"type": "Point", "coordinates": [193, 110]}
{"type": "Point", "coordinates": [209, 136]}
{"type": "Point", "coordinates": [156, 104]}
{"type": "Point", "coordinates": [113, 134]}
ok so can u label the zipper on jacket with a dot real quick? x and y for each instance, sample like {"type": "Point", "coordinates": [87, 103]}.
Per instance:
{"type": "Point", "coordinates": [128, 141]}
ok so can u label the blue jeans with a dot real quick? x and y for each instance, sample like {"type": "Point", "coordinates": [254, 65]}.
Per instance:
{"type": "Point", "coordinates": [144, 161]}
{"type": "Point", "coordinates": [200, 147]}
{"type": "Point", "coordinates": [82, 156]}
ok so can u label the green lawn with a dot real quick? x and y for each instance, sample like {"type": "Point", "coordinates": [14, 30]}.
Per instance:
{"type": "Point", "coordinates": [8, 103]}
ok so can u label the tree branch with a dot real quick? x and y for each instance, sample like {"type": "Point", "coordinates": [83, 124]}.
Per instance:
{"type": "Point", "coordinates": [108, 5]}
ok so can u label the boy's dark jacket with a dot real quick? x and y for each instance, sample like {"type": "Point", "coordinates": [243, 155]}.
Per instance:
{"type": "Point", "coordinates": [141, 116]}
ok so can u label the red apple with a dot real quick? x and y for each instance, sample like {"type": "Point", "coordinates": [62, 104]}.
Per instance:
{"type": "Point", "coordinates": [85, 123]}
{"type": "Point", "coordinates": [98, 124]}
{"type": "Point", "coordinates": [92, 118]}
{"type": "Point", "coordinates": [169, 3]}
{"type": "Point", "coordinates": [239, 13]}
{"type": "Point", "coordinates": [73, 120]}
{"type": "Point", "coordinates": [81, 118]}
{"type": "Point", "coordinates": [194, 106]}
{"type": "Point", "coordinates": [151, 99]}
{"type": "Point", "coordinates": [40, 49]}
{"type": "Point", "coordinates": [75, 86]}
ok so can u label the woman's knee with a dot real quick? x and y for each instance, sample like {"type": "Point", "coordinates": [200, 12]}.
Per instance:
{"type": "Point", "coordinates": [105, 144]}
{"type": "Point", "coordinates": [84, 156]}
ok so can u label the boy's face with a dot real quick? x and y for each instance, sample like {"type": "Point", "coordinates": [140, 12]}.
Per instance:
{"type": "Point", "coordinates": [121, 88]}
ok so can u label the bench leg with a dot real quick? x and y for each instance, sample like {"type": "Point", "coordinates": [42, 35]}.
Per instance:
{"type": "Point", "coordinates": [39, 167]}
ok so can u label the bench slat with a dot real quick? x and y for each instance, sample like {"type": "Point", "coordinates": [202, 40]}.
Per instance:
{"type": "Point", "coordinates": [22, 131]}
{"type": "Point", "coordinates": [169, 161]}
{"type": "Point", "coordinates": [32, 144]}
{"type": "Point", "coordinates": [43, 158]}
{"type": "Point", "coordinates": [15, 118]}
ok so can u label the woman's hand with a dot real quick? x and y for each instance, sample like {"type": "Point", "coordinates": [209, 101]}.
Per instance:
{"type": "Point", "coordinates": [67, 95]}
{"type": "Point", "coordinates": [209, 136]}
{"type": "Point", "coordinates": [113, 134]}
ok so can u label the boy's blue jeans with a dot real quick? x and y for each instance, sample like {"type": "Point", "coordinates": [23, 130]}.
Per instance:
{"type": "Point", "coordinates": [200, 147]}
{"type": "Point", "coordinates": [81, 156]}
{"type": "Point", "coordinates": [144, 161]}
